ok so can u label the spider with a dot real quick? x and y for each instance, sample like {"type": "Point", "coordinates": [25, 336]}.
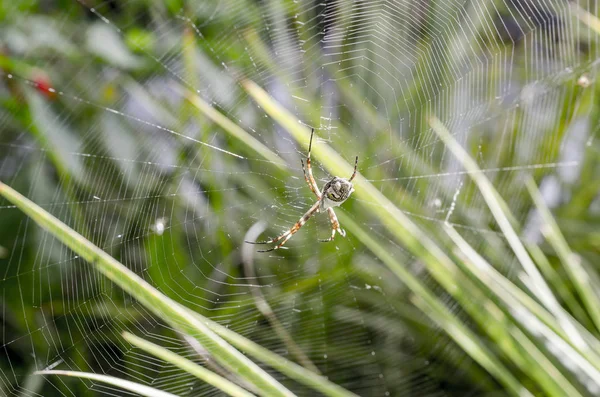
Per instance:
{"type": "Point", "coordinates": [335, 192]}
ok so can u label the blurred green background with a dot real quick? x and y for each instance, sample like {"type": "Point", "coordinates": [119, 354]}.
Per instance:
{"type": "Point", "coordinates": [97, 127]}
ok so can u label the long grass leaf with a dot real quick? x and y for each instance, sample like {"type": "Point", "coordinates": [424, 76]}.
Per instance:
{"type": "Point", "coordinates": [142, 390]}
{"type": "Point", "coordinates": [233, 129]}
{"type": "Point", "coordinates": [584, 16]}
{"type": "Point", "coordinates": [440, 313]}
{"type": "Point", "coordinates": [554, 279]}
{"type": "Point", "coordinates": [526, 310]}
{"type": "Point", "coordinates": [470, 344]}
{"type": "Point", "coordinates": [281, 364]}
{"type": "Point", "coordinates": [188, 366]}
{"type": "Point", "coordinates": [165, 308]}
{"type": "Point", "coordinates": [501, 214]}
{"type": "Point", "coordinates": [581, 280]}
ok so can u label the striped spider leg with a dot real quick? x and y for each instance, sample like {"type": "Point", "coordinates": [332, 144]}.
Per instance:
{"type": "Point", "coordinates": [335, 192]}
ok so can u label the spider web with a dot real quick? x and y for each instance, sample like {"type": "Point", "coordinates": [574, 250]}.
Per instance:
{"type": "Point", "coordinates": [111, 148]}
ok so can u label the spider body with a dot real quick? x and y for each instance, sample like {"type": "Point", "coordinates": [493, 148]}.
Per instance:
{"type": "Point", "coordinates": [335, 192]}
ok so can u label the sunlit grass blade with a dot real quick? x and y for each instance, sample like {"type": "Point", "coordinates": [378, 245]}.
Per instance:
{"type": "Point", "coordinates": [503, 217]}
{"type": "Point", "coordinates": [165, 308]}
{"type": "Point", "coordinates": [429, 303]}
{"type": "Point", "coordinates": [584, 16]}
{"type": "Point", "coordinates": [140, 389]}
{"type": "Point", "coordinates": [188, 366]}
{"type": "Point", "coordinates": [580, 278]}
{"type": "Point", "coordinates": [472, 346]}
{"type": "Point", "coordinates": [232, 128]}
{"type": "Point", "coordinates": [529, 312]}
{"type": "Point", "coordinates": [262, 304]}
{"type": "Point", "coordinates": [541, 367]}
{"type": "Point", "coordinates": [554, 279]}
{"type": "Point", "coordinates": [281, 364]}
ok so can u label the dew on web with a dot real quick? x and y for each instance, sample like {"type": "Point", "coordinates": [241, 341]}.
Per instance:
{"type": "Point", "coordinates": [114, 145]}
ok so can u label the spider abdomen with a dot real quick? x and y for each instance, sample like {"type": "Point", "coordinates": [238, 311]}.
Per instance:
{"type": "Point", "coordinates": [335, 192]}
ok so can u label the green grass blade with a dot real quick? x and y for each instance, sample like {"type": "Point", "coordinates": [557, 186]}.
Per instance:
{"type": "Point", "coordinates": [165, 308]}
{"type": "Point", "coordinates": [571, 262]}
{"type": "Point", "coordinates": [233, 129]}
{"type": "Point", "coordinates": [502, 216]}
{"type": "Point", "coordinates": [188, 366]}
{"type": "Point", "coordinates": [281, 364]}
{"type": "Point", "coordinates": [430, 304]}
{"type": "Point", "coordinates": [529, 312]}
{"type": "Point", "coordinates": [585, 17]}
{"type": "Point", "coordinates": [562, 289]}
{"type": "Point", "coordinates": [470, 344]}
{"type": "Point", "coordinates": [142, 390]}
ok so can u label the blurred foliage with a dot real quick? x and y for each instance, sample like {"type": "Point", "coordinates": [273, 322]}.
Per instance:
{"type": "Point", "coordinates": [95, 128]}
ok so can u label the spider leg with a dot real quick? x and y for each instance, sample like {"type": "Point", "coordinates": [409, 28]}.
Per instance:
{"type": "Point", "coordinates": [288, 234]}
{"type": "Point", "coordinates": [355, 168]}
{"type": "Point", "coordinates": [330, 238]}
{"type": "Point", "coordinates": [273, 240]}
{"type": "Point", "coordinates": [335, 226]}
{"type": "Point", "coordinates": [312, 184]}
{"type": "Point", "coordinates": [313, 188]}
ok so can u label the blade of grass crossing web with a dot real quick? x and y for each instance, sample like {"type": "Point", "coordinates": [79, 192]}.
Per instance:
{"type": "Point", "coordinates": [581, 280]}
{"type": "Point", "coordinates": [469, 342]}
{"type": "Point", "coordinates": [584, 16]}
{"type": "Point", "coordinates": [170, 311]}
{"type": "Point", "coordinates": [562, 289]}
{"type": "Point", "coordinates": [430, 304]}
{"type": "Point", "coordinates": [503, 217]}
{"type": "Point", "coordinates": [520, 351]}
{"type": "Point", "coordinates": [281, 364]}
{"type": "Point", "coordinates": [554, 383]}
{"type": "Point", "coordinates": [142, 390]}
{"type": "Point", "coordinates": [233, 129]}
{"type": "Point", "coordinates": [524, 309]}
{"type": "Point", "coordinates": [188, 366]}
